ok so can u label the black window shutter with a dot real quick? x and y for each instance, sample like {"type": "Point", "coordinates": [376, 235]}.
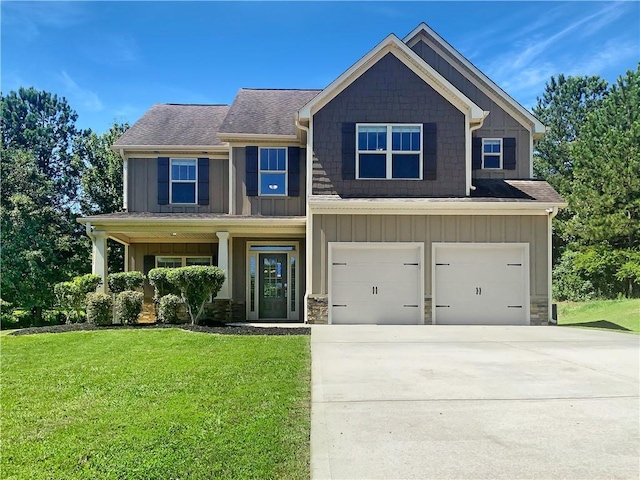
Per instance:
{"type": "Point", "coordinates": [509, 154]}
{"type": "Point", "coordinates": [430, 150]}
{"type": "Point", "coordinates": [348, 151]}
{"type": "Point", "coordinates": [148, 263]}
{"type": "Point", "coordinates": [203, 181]}
{"type": "Point", "coordinates": [251, 177]}
{"type": "Point", "coordinates": [476, 153]}
{"type": "Point", "coordinates": [293, 180]}
{"type": "Point", "coordinates": [163, 180]}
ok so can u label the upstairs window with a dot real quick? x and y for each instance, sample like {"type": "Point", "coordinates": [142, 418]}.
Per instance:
{"type": "Point", "coordinates": [183, 180]}
{"type": "Point", "coordinates": [491, 153]}
{"type": "Point", "coordinates": [389, 151]}
{"type": "Point", "coordinates": [273, 172]}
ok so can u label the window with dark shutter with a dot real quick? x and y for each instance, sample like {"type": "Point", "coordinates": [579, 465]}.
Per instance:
{"type": "Point", "coordinates": [430, 150]}
{"type": "Point", "coordinates": [348, 151]}
{"type": "Point", "coordinates": [293, 172]}
{"type": "Point", "coordinates": [509, 155]}
{"type": "Point", "coordinates": [476, 153]}
{"type": "Point", "coordinates": [163, 180]}
{"type": "Point", "coordinates": [251, 171]}
{"type": "Point", "coordinates": [203, 181]}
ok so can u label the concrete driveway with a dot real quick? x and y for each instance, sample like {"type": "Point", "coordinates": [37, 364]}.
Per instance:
{"type": "Point", "coordinates": [449, 402]}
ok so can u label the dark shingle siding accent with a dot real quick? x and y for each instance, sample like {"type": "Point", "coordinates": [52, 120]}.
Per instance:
{"type": "Point", "coordinates": [266, 112]}
{"type": "Point", "coordinates": [170, 124]}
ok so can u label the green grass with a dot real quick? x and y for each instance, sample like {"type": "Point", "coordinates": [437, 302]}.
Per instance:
{"type": "Point", "coordinates": [621, 315]}
{"type": "Point", "coordinates": [164, 404]}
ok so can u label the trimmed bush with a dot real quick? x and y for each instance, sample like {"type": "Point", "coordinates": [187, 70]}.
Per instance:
{"type": "Point", "coordinates": [99, 307]}
{"type": "Point", "coordinates": [197, 284]}
{"type": "Point", "coordinates": [128, 307]}
{"type": "Point", "coordinates": [87, 283]}
{"type": "Point", "coordinates": [169, 308]}
{"type": "Point", "coordinates": [71, 296]}
{"type": "Point", "coordinates": [120, 282]}
{"type": "Point", "coordinates": [160, 283]}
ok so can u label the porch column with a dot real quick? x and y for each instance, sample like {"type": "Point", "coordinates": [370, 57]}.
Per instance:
{"type": "Point", "coordinates": [99, 258]}
{"type": "Point", "coordinates": [223, 263]}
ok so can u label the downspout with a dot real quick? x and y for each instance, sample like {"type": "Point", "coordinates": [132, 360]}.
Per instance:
{"type": "Point", "coordinates": [125, 180]}
{"type": "Point", "coordinates": [473, 128]}
{"type": "Point", "coordinates": [308, 232]}
{"type": "Point", "coordinates": [551, 212]}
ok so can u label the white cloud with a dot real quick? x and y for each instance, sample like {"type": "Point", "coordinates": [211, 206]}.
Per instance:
{"type": "Point", "coordinates": [87, 98]}
{"type": "Point", "coordinates": [28, 19]}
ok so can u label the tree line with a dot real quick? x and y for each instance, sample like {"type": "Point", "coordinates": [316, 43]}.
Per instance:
{"type": "Point", "coordinates": [52, 172]}
{"type": "Point", "coordinates": [591, 156]}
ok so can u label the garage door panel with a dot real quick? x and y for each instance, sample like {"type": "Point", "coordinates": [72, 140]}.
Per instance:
{"type": "Point", "coordinates": [480, 284]}
{"type": "Point", "coordinates": [379, 284]}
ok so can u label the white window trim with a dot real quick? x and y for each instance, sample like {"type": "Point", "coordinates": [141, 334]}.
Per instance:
{"type": "Point", "coordinates": [493, 154]}
{"type": "Point", "coordinates": [172, 181]}
{"type": "Point", "coordinates": [285, 171]}
{"type": "Point", "coordinates": [183, 258]}
{"type": "Point", "coordinates": [389, 153]}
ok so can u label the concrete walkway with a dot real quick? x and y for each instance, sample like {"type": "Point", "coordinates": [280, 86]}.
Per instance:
{"type": "Point", "coordinates": [438, 402]}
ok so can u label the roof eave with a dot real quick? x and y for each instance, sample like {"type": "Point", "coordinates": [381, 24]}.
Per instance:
{"type": "Point", "coordinates": [195, 148]}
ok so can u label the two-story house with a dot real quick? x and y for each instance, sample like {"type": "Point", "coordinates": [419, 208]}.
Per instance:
{"type": "Point", "coordinates": [400, 193]}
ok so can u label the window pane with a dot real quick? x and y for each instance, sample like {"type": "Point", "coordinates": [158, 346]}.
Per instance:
{"type": "Point", "coordinates": [496, 148]}
{"type": "Point", "coordinates": [272, 184]}
{"type": "Point", "coordinates": [395, 140]}
{"type": "Point", "coordinates": [372, 138]}
{"type": "Point", "coordinates": [373, 166]}
{"type": "Point", "coordinates": [292, 284]}
{"type": "Point", "coordinates": [183, 169]}
{"type": "Point", "coordinates": [491, 146]}
{"type": "Point", "coordinates": [362, 141]}
{"type": "Point", "coordinates": [264, 159]}
{"type": "Point", "coordinates": [282, 159]}
{"type": "Point", "coordinates": [183, 193]}
{"type": "Point", "coordinates": [406, 141]}
{"type": "Point", "coordinates": [206, 261]}
{"type": "Point", "coordinates": [492, 161]}
{"type": "Point", "coordinates": [252, 283]}
{"type": "Point", "coordinates": [169, 262]}
{"type": "Point", "coordinates": [415, 142]}
{"type": "Point", "coordinates": [382, 140]}
{"type": "Point", "coordinates": [406, 166]}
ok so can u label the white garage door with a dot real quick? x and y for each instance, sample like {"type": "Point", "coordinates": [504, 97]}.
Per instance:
{"type": "Point", "coordinates": [481, 284]}
{"type": "Point", "coordinates": [376, 283]}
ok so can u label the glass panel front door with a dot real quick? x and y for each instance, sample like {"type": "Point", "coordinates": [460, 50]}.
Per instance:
{"type": "Point", "coordinates": [273, 285]}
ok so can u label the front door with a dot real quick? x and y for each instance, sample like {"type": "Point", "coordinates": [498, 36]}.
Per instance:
{"type": "Point", "coordinates": [273, 285]}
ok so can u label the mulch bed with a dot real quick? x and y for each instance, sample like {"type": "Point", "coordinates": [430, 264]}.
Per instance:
{"type": "Point", "coordinates": [219, 329]}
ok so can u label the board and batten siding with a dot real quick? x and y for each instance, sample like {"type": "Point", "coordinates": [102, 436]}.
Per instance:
{"type": "Point", "coordinates": [142, 188]}
{"type": "Point", "coordinates": [268, 206]}
{"type": "Point", "coordinates": [499, 123]}
{"type": "Point", "coordinates": [531, 229]}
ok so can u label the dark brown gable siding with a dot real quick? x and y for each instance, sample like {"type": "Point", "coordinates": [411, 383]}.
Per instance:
{"type": "Point", "coordinates": [499, 123]}
{"type": "Point", "coordinates": [389, 93]}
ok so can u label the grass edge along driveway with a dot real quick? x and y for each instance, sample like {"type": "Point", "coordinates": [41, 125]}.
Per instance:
{"type": "Point", "coordinates": [155, 404]}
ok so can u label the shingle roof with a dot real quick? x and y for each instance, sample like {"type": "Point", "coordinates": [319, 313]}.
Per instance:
{"type": "Point", "coordinates": [516, 190]}
{"type": "Point", "coordinates": [265, 111]}
{"type": "Point", "coordinates": [173, 124]}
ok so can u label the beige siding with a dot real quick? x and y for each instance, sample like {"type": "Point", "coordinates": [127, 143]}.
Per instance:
{"type": "Point", "coordinates": [498, 124]}
{"type": "Point", "coordinates": [428, 229]}
{"type": "Point", "coordinates": [143, 188]}
{"type": "Point", "coordinates": [137, 252]}
{"type": "Point", "coordinates": [284, 206]}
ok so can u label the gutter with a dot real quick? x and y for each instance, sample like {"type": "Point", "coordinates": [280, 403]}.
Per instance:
{"type": "Point", "coordinates": [473, 128]}
{"type": "Point", "coordinates": [552, 212]}
{"type": "Point", "coordinates": [309, 223]}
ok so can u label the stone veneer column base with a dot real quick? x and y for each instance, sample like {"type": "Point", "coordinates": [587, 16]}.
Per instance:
{"type": "Point", "coordinates": [317, 309]}
{"type": "Point", "coordinates": [428, 319]}
{"type": "Point", "coordinates": [539, 313]}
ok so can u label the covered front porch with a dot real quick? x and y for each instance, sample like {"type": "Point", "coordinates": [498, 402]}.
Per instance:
{"type": "Point", "coordinates": [263, 257]}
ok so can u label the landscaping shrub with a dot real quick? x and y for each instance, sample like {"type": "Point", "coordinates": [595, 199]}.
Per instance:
{"type": "Point", "coordinates": [169, 308]}
{"type": "Point", "coordinates": [7, 320]}
{"type": "Point", "coordinates": [570, 283]}
{"type": "Point", "coordinates": [120, 282]}
{"type": "Point", "coordinates": [160, 283]}
{"type": "Point", "coordinates": [99, 307]}
{"type": "Point", "coordinates": [197, 284]}
{"type": "Point", "coordinates": [71, 296]}
{"type": "Point", "coordinates": [128, 306]}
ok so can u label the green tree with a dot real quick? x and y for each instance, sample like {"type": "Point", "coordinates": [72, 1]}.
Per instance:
{"type": "Point", "coordinates": [37, 245]}
{"type": "Point", "coordinates": [44, 124]}
{"type": "Point", "coordinates": [102, 182]}
{"type": "Point", "coordinates": [605, 190]}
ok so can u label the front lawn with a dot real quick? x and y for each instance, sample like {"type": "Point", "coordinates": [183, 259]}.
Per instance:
{"type": "Point", "coordinates": [621, 315]}
{"type": "Point", "coordinates": [163, 404]}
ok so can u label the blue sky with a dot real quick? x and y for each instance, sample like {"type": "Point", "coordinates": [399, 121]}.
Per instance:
{"type": "Point", "coordinates": [113, 60]}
